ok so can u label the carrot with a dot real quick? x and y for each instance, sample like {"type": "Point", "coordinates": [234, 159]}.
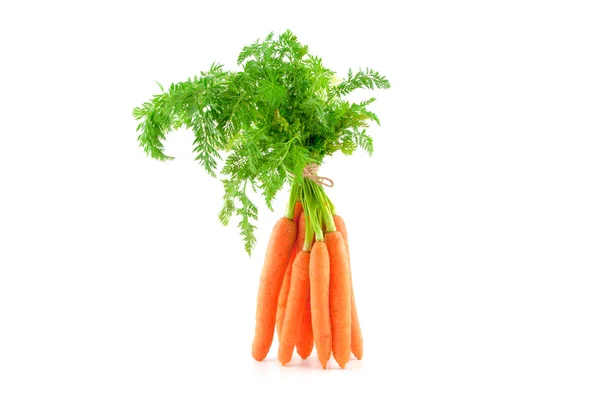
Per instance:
{"type": "Point", "coordinates": [305, 342]}
{"type": "Point", "coordinates": [340, 298]}
{"type": "Point", "coordinates": [283, 294]}
{"type": "Point", "coordinates": [319, 304]}
{"type": "Point", "coordinates": [301, 233]}
{"type": "Point", "coordinates": [276, 259]}
{"type": "Point", "coordinates": [297, 211]}
{"type": "Point", "coordinates": [299, 289]}
{"type": "Point", "coordinates": [285, 288]}
{"type": "Point", "coordinates": [357, 339]}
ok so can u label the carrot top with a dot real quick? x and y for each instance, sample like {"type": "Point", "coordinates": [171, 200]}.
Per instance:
{"type": "Point", "coordinates": [258, 127]}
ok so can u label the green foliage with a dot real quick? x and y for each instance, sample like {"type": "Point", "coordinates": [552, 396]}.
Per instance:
{"type": "Point", "coordinates": [263, 124]}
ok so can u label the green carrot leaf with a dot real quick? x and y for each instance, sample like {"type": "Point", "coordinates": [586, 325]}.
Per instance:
{"type": "Point", "coordinates": [257, 127]}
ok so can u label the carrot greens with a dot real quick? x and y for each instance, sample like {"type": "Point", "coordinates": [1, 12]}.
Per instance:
{"type": "Point", "coordinates": [259, 126]}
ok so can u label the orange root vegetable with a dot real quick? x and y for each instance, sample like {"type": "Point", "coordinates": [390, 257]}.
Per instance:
{"type": "Point", "coordinates": [299, 290]}
{"type": "Point", "coordinates": [306, 342]}
{"type": "Point", "coordinates": [319, 301]}
{"type": "Point", "coordinates": [340, 298]}
{"type": "Point", "coordinates": [283, 295]}
{"type": "Point", "coordinates": [357, 339]}
{"type": "Point", "coordinates": [301, 233]}
{"type": "Point", "coordinates": [277, 257]}
{"type": "Point", "coordinates": [297, 211]}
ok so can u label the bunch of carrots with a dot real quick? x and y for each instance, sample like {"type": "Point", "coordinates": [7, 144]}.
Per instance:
{"type": "Point", "coordinates": [305, 289]}
{"type": "Point", "coordinates": [268, 124]}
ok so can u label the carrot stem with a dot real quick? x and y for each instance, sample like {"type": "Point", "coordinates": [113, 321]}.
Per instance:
{"type": "Point", "coordinates": [331, 206]}
{"type": "Point", "coordinates": [289, 213]}
{"type": "Point", "coordinates": [310, 234]}
{"type": "Point", "coordinates": [312, 210]}
{"type": "Point", "coordinates": [326, 206]}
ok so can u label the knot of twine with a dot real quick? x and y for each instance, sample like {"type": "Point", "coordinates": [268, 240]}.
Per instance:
{"type": "Point", "coordinates": [310, 172]}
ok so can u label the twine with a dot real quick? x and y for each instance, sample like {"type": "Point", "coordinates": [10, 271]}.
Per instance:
{"type": "Point", "coordinates": [310, 172]}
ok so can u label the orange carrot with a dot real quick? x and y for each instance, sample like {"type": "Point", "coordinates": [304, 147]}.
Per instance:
{"type": "Point", "coordinates": [285, 288]}
{"type": "Point", "coordinates": [283, 294]}
{"type": "Point", "coordinates": [276, 259]}
{"type": "Point", "coordinates": [297, 211]}
{"type": "Point", "coordinates": [319, 304]}
{"type": "Point", "coordinates": [301, 233]}
{"type": "Point", "coordinates": [340, 298]}
{"type": "Point", "coordinates": [299, 289]}
{"type": "Point", "coordinates": [305, 342]}
{"type": "Point", "coordinates": [357, 339]}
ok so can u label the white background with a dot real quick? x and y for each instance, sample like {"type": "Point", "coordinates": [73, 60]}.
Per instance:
{"type": "Point", "coordinates": [474, 228]}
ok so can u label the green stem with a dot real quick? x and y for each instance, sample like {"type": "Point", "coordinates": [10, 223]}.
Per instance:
{"type": "Point", "coordinates": [319, 237]}
{"type": "Point", "coordinates": [310, 234]}
{"type": "Point", "coordinates": [289, 213]}
{"type": "Point", "coordinates": [328, 218]}
{"type": "Point", "coordinates": [316, 208]}
{"type": "Point", "coordinates": [312, 213]}
{"type": "Point", "coordinates": [325, 203]}
{"type": "Point", "coordinates": [331, 206]}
